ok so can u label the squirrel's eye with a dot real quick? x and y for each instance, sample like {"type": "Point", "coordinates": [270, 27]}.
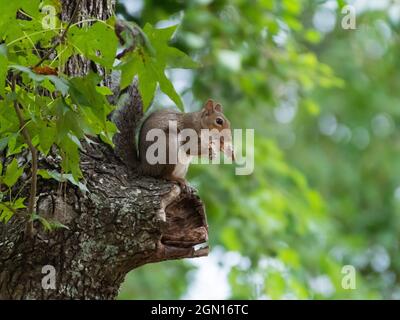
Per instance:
{"type": "Point", "coordinates": [219, 121]}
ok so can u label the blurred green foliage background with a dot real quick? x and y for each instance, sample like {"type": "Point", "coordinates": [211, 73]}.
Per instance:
{"type": "Point", "coordinates": [325, 191]}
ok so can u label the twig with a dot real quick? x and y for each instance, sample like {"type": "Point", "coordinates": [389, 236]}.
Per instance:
{"type": "Point", "coordinates": [25, 132]}
{"type": "Point", "coordinates": [34, 154]}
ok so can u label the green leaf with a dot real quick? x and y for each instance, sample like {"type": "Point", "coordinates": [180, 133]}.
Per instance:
{"type": "Point", "coordinates": [30, 7]}
{"type": "Point", "coordinates": [97, 42]}
{"type": "Point", "coordinates": [67, 121]}
{"type": "Point", "coordinates": [3, 68]}
{"type": "Point", "coordinates": [167, 55]}
{"type": "Point", "coordinates": [150, 72]}
{"type": "Point", "coordinates": [5, 213]}
{"type": "Point", "coordinates": [158, 36]}
{"type": "Point", "coordinates": [94, 107]}
{"type": "Point", "coordinates": [70, 160]}
{"type": "Point", "coordinates": [61, 84]}
{"type": "Point", "coordinates": [44, 174]}
{"type": "Point", "coordinates": [57, 225]}
{"type": "Point", "coordinates": [4, 143]}
{"type": "Point", "coordinates": [50, 174]}
{"type": "Point", "coordinates": [48, 224]}
{"type": "Point", "coordinates": [47, 137]}
{"type": "Point", "coordinates": [13, 172]}
{"type": "Point", "coordinates": [83, 91]}
{"type": "Point", "coordinates": [19, 204]}
{"type": "Point", "coordinates": [150, 68]}
{"type": "Point", "coordinates": [178, 59]}
{"type": "Point", "coordinates": [12, 141]}
{"type": "Point", "coordinates": [107, 135]}
{"type": "Point", "coordinates": [147, 85]}
{"type": "Point", "coordinates": [105, 91]}
{"type": "Point", "coordinates": [167, 87]}
{"type": "Point", "coordinates": [7, 15]}
{"type": "Point", "coordinates": [128, 71]}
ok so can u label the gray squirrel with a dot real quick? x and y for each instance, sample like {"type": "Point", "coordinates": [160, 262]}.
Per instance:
{"type": "Point", "coordinates": [128, 116]}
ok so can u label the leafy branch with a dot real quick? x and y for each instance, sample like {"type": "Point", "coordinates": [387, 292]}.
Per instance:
{"type": "Point", "coordinates": [29, 230]}
{"type": "Point", "coordinates": [34, 154]}
{"type": "Point", "coordinates": [61, 38]}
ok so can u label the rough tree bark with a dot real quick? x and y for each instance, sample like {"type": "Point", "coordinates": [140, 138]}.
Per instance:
{"type": "Point", "coordinates": [123, 222]}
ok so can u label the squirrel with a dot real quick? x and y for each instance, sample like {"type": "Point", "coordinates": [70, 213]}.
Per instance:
{"type": "Point", "coordinates": [128, 116]}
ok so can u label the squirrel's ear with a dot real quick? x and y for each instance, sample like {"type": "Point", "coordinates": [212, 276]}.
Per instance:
{"type": "Point", "coordinates": [209, 106]}
{"type": "Point", "coordinates": [218, 108]}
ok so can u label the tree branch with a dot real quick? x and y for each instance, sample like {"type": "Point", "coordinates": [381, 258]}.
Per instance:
{"type": "Point", "coordinates": [123, 222]}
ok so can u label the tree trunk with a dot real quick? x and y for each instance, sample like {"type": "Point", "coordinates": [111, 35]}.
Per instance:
{"type": "Point", "coordinates": [122, 222]}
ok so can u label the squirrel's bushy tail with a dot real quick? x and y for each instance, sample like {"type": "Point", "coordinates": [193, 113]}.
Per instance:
{"type": "Point", "coordinates": [127, 117]}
